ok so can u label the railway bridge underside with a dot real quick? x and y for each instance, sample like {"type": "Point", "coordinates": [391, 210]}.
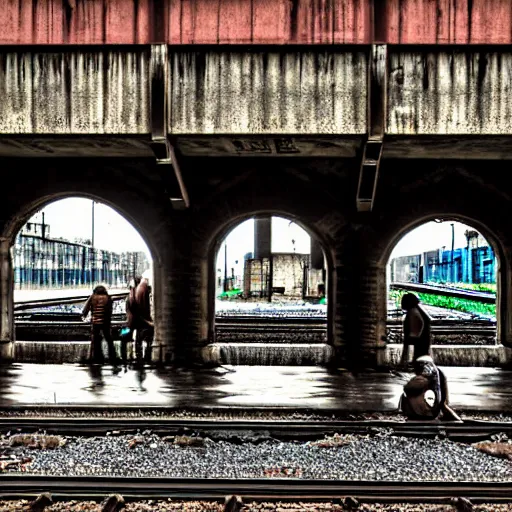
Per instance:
{"type": "Point", "coordinates": [356, 142]}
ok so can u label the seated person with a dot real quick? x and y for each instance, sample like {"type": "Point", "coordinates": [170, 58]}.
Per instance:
{"type": "Point", "coordinates": [425, 396]}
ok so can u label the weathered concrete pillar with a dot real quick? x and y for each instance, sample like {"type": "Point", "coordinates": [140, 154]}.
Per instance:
{"type": "Point", "coordinates": [504, 296]}
{"type": "Point", "coordinates": [317, 255]}
{"type": "Point", "coordinates": [372, 312]}
{"type": "Point", "coordinates": [262, 237]}
{"type": "Point", "coordinates": [361, 302]}
{"type": "Point", "coordinates": [6, 303]}
{"type": "Point", "coordinates": [186, 314]}
{"type": "Point", "coordinates": [163, 344]}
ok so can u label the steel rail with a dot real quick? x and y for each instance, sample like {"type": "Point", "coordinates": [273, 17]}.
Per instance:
{"type": "Point", "coordinates": [41, 303]}
{"type": "Point", "coordinates": [237, 320]}
{"type": "Point", "coordinates": [15, 485]}
{"type": "Point", "coordinates": [468, 430]}
{"type": "Point", "coordinates": [486, 298]}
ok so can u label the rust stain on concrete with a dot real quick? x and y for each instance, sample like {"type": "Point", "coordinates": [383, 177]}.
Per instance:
{"type": "Point", "coordinates": [257, 93]}
{"type": "Point", "coordinates": [74, 92]}
{"type": "Point", "coordinates": [454, 92]}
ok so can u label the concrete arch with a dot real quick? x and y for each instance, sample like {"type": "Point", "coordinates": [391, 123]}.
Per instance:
{"type": "Point", "coordinates": [276, 190]}
{"type": "Point", "coordinates": [411, 226]}
{"type": "Point", "coordinates": [223, 231]}
{"type": "Point", "coordinates": [441, 191]}
{"type": "Point", "coordinates": [14, 225]}
{"type": "Point", "coordinates": [489, 235]}
{"type": "Point", "coordinates": [134, 199]}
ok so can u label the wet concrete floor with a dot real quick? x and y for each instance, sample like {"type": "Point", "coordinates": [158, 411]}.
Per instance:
{"type": "Point", "coordinates": [471, 389]}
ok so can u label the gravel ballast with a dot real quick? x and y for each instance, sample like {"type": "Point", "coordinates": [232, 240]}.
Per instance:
{"type": "Point", "coordinates": [388, 458]}
{"type": "Point", "coordinates": [209, 506]}
{"type": "Point", "coordinates": [232, 415]}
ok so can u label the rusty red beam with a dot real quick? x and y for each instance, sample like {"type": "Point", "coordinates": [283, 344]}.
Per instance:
{"type": "Point", "coordinates": [255, 22]}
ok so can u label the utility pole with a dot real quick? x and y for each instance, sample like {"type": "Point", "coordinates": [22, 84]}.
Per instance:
{"type": "Point", "coordinates": [93, 255]}
{"type": "Point", "coordinates": [453, 245]}
{"type": "Point", "coordinates": [225, 266]}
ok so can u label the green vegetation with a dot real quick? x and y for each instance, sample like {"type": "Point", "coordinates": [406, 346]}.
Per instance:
{"type": "Point", "coordinates": [464, 305]}
{"type": "Point", "coordinates": [482, 287]}
{"type": "Point", "coordinates": [230, 294]}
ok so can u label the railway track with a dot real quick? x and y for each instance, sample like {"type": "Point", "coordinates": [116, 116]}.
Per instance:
{"type": "Point", "coordinates": [90, 487]}
{"type": "Point", "coordinates": [22, 486]}
{"type": "Point", "coordinates": [468, 431]}
{"type": "Point", "coordinates": [446, 291]}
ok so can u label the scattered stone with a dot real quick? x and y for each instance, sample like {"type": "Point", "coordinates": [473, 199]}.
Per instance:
{"type": "Point", "coordinates": [41, 502]}
{"type": "Point", "coordinates": [113, 503]}
{"type": "Point", "coordinates": [233, 504]}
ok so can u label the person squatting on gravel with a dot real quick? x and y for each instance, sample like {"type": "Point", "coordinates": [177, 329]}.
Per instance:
{"type": "Point", "coordinates": [425, 396]}
{"type": "Point", "coordinates": [416, 329]}
{"type": "Point", "coordinates": [100, 306]}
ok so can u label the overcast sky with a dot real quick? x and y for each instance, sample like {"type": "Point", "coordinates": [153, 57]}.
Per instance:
{"type": "Point", "coordinates": [431, 235]}
{"type": "Point", "coordinates": [72, 218]}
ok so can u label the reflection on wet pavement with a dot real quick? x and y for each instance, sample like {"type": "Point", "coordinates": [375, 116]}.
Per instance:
{"type": "Point", "coordinates": [242, 386]}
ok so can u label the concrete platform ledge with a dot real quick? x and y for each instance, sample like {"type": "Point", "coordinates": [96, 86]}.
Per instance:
{"type": "Point", "coordinates": [268, 354]}
{"type": "Point", "coordinates": [57, 352]}
{"type": "Point", "coordinates": [456, 355]}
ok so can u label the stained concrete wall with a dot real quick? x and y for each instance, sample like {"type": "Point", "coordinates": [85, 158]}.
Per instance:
{"type": "Point", "coordinates": [218, 92]}
{"type": "Point", "coordinates": [268, 92]}
{"type": "Point", "coordinates": [74, 92]}
{"type": "Point", "coordinates": [288, 272]}
{"type": "Point", "coordinates": [450, 92]}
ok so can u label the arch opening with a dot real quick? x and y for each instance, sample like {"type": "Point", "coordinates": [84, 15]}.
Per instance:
{"type": "Point", "coordinates": [271, 291]}
{"type": "Point", "coordinates": [454, 270]}
{"type": "Point", "coordinates": [61, 252]}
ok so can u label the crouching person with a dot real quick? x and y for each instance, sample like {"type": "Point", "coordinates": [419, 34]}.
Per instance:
{"type": "Point", "coordinates": [425, 396]}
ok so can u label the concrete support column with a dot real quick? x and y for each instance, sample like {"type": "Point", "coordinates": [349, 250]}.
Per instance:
{"type": "Point", "coordinates": [360, 317]}
{"type": "Point", "coordinates": [372, 313]}
{"type": "Point", "coordinates": [504, 299]}
{"type": "Point", "coordinates": [187, 306]}
{"type": "Point", "coordinates": [163, 344]}
{"type": "Point", "coordinates": [262, 237]}
{"type": "Point", "coordinates": [317, 255]}
{"type": "Point", "coordinates": [6, 303]}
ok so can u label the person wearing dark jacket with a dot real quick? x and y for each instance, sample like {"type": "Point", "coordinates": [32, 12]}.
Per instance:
{"type": "Point", "coordinates": [99, 304]}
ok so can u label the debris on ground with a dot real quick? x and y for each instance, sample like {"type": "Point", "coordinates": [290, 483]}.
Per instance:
{"type": "Point", "coordinates": [41, 441]}
{"type": "Point", "coordinates": [335, 441]}
{"type": "Point", "coordinates": [498, 449]}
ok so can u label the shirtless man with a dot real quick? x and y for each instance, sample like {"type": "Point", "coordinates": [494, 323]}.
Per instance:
{"type": "Point", "coordinates": [416, 329]}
